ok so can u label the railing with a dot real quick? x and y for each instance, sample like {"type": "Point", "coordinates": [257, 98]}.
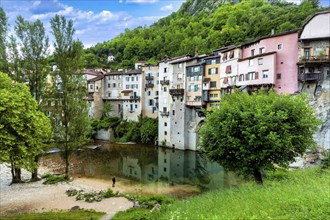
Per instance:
{"type": "Point", "coordinates": [162, 113]}
{"type": "Point", "coordinates": [149, 85]}
{"type": "Point", "coordinates": [176, 92]}
{"type": "Point", "coordinates": [315, 59]}
{"type": "Point", "coordinates": [194, 103]}
{"type": "Point", "coordinates": [310, 76]}
{"type": "Point", "coordinates": [164, 82]}
{"type": "Point", "coordinates": [149, 78]}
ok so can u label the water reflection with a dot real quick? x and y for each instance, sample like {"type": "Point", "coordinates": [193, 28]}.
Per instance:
{"type": "Point", "coordinates": [145, 164]}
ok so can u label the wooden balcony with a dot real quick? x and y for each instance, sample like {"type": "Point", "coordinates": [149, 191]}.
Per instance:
{"type": "Point", "coordinates": [164, 82]}
{"type": "Point", "coordinates": [176, 92]}
{"type": "Point", "coordinates": [315, 59]}
{"type": "Point", "coordinates": [149, 78]}
{"type": "Point", "coordinates": [311, 77]}
{"type": "Point", "coordinates": [150, 85]}
{"type": "Point", "coordinates": [162, 113]}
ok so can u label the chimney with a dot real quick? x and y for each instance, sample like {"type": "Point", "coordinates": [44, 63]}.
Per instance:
{"type": "Point", "coordinates": [273, 31]}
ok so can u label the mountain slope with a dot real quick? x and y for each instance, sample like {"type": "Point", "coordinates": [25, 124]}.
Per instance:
{"type": "Point", "coordinates": [200, 25]}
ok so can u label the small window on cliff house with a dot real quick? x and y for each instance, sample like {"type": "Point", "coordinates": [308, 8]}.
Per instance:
{"type": "Point", "coordinates": [231, 54]}
{"type": "Point", "coordinates": [279, 46]}
{"type": "Point", "coordinates": [228, 69]}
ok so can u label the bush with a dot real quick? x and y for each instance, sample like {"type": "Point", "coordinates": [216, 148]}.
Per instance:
{"type": "Point", "coordinates": [325, 163]}
{"type": "Point", "coordinates": [109, 193]}
{"type": "Point", "coordinates": [52, 179]}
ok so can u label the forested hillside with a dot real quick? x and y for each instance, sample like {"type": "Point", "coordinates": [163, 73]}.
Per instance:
{"type": "Point", "coordinates": [201, 25]}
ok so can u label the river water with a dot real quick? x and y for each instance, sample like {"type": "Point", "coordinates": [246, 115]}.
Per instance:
{"type": "Point", "coordinates": [151, 168]}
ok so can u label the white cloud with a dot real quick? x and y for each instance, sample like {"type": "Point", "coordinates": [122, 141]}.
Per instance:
{"type": "Point", "coordinates": [167, 7]}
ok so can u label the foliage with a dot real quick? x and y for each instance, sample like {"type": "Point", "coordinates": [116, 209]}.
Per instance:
{"type": "Point", "coordinates": [149, 201]}
{"type": "Point", "coordinates": [60, 215]}
{"type": "Point", "coordinates": [90, 196]}
{"type": "Point", "coordinates": [3, 41]}
{"type": "Point", "coordinates": [53, 179]}
{"type": "Point", "coordinates": [325, 163]}
{"type": "Point", "coordinates": [303, 195]}
{"type": "Point", "coordinates": [259, 132]}
{"type": "Point", "coordinates": [23, 128]}
{"type": "Point", "coordinates": [134, 213]}
{"type": "Point", "coordinates": [200, 26]}
{"type": "Point", "coordinates": [107, 108]}
{"type": "Point", "coordinates": [149, 130]}
{"type": "Point", "coordinates": [69, 112]}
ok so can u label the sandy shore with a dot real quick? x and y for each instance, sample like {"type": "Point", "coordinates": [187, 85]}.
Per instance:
{"type": "Point", "coordinates": [36, 197]}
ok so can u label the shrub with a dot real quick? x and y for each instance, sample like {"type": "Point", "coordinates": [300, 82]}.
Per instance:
{"type": "Point", "coordinates": [109, 193]}
{"type": "Point", "coordinates": [52, 179]}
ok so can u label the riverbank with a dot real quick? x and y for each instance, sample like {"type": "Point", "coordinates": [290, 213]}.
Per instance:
{"type": "Point", "coordinates": [297, 194]}
{"type": "Point", "coordinates": [37, 197]}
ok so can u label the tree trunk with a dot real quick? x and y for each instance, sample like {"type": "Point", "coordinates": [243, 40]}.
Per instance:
{"type": "Point", "coordinates": [34, 176]}
{"type": "Point", "coordinates": [257, 176]}
{"type": "Point", "coordinates": [66, 155]}
{"type": "Point", "coordinates": [16, 174]}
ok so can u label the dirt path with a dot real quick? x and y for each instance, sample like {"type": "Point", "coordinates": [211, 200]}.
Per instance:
{"type": "Point", "coordinates": [36, 197]}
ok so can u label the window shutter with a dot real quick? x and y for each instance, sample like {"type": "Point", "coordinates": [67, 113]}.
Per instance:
{"type": "Point", "coordinates": [257, 75]}
{"type": "Point", "coordinates": [209, 71]}
{"type": "Point", "coordinates": [247, 76]}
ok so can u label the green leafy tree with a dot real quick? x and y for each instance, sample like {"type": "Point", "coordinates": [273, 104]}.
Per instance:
{"type": "Point", "coordinates": [3, 41]}
{"type": "Point", "coordinates": [69, 113]}
{"type": "Point", "coordinates": [149, 130]}
{"type": "Point", "coordinates": [23, 128]}
{"type": "Point", "coordinates": [34, 45]}
{"type": "Point", "coordinates": [250, 134]}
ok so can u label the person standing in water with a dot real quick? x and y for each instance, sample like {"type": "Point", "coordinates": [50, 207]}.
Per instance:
{"type": "Point", "coordinates": [113, 181]}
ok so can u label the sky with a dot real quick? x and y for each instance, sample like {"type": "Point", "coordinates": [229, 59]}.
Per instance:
{"type": "Point", "coordinates": [96, 21]}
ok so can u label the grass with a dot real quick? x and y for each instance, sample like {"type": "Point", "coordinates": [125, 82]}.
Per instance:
{"type": "Point", "coordinates": [63, 215]}
{"type": "Point", "coordinates": [299, 194]}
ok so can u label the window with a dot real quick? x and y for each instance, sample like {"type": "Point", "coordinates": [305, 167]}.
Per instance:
{"type": "Point", "coordinates": [250, 62]}
{"type": "Point", "coordinates": [173, 112]}
{"type": "Point", "coordinates": [137, 78]}
{"type": "Point", "coordinates": [136, 106]}
{"type": "Point", "coordinates": [114, 85]}
{"type": "Point", "coordinates": [213, 71]}
{"type": "Point", "coordinates": [265, 74]}
{"type": "Point", "coordinates": [127, 79]}
{"type": "Point", "coordinates": [189, 88]}
{"type": "Point", "coordinates": [251, 76]}
{"type": "Point", "coordinates": [132, 78]}
{"type": "Point", "coordinates": [196, 88]}
{"type": "Point", "coordinates": [156, 93]}
{"type": "Point", "coordinates": [115, 77]}
{"type": "Point", "coordinates": [241, 77]}
{"type": "Point", "coordinates": [151, 102]}
{"type": "Point", "coordinates": [306, 53]}
{"type": "Point", "coordinates": [279, 46]}
{"type": "Point", "coordinates": [179, 65]}
{"type": "Point", "coordinates": [127, 86]}
{"type": "Point", "coordinates": [132, 86]}
{"type": "Point", "coordinates": [231, 54]}
{"type": "Point", "coordinates": [262, 50]}
{"type": "Point", "coordinates": [136, 86]}
{"type": "Point", "coordinates": [165, 124]}
{"type": "Point", "coordinates": [149, 67]}
{"type": "Point", "coordinates": [228, 69]}
{"type": "Point", "coordinates": [119, 85]}
{"type": "Point", "coordinates": [165, 89]}
{"type": "Point", "coordinates": [278, 76]}
{"type": "Point", "coordinates": [149, 93]}
{"type": "Point", "coordinates": [108, 85]}
{"type": "Point", "coordinates": [179, 75]}
{"type": "Point", "coordinates": [252, 52]}
{"type": "Point", "coordinates": [260, 61]}
{"type": "Point", "coordinates": [165, 70]}
{"type": "Point", "coordinates": [165, 133]}
{"type": "Point", "coordinates": [196, 69]}
{"type": "Point", "coordinates": [213, 84]}
{"type": "Point", "coordinates": [213, 61]}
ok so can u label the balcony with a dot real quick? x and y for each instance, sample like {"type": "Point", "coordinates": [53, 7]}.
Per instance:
{"type": "Point", "coordinates": [135, 97]}
{"type": "Point", "coordinates": [162, 113]}
{"type": "Point", "coordinates": [149, 78]}
{"type": "Point", "coordinates": [150, 85]}
{"type": "Point", "coordinates": [310, 76]}
{"type": "Point", "coordinates": [164, 82]}
{"type": "Point", "coordinates": [314, 59]}
{"type": "Point", "coordinates": [176, 92]}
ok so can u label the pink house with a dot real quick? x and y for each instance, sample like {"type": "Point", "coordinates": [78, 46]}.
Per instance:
{"type": "Point", "coordinates": [270, 62]}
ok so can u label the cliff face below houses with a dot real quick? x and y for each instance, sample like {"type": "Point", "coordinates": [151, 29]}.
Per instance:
{"type": "Point", "coordinates": [321, 104]}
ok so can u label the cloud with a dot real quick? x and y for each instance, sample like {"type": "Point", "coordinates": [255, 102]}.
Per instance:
{"type": "Point", "coordinates": [167, 7]}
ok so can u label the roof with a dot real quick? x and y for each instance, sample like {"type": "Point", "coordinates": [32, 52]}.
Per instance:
{"type": "Point", "coordinates": [189, 59]}
{"type": "Point", "coordinates": [228, 48]}
{"type": "Point", "coordinates": [269, 36]}
{"type": "Point", "coordinates": [174, 58]}
{"type": "Point", "coordinates": [96, 78]}
{"type": "Point", "coordinates": [196, 64]}
{"type": "Point", "coordinates": [311, 17]}
{"type": "Point", "coordinates": [206, 79]}
{"type": "Point", "coordinates": [126, 91]}
{"type": "Point", "coordinates": [92, 72]}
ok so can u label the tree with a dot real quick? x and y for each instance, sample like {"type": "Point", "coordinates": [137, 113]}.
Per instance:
{"type": "Point", "coordinates": [69, 114]}
{"type": "Point", "coordinates": [23, 128]}
{"type": "Point", "coordinates": [3, 41]}
{"type": "Point", "coordinates": [250, 134]}
{"type": "Point", "coordinates": [33, 44]}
